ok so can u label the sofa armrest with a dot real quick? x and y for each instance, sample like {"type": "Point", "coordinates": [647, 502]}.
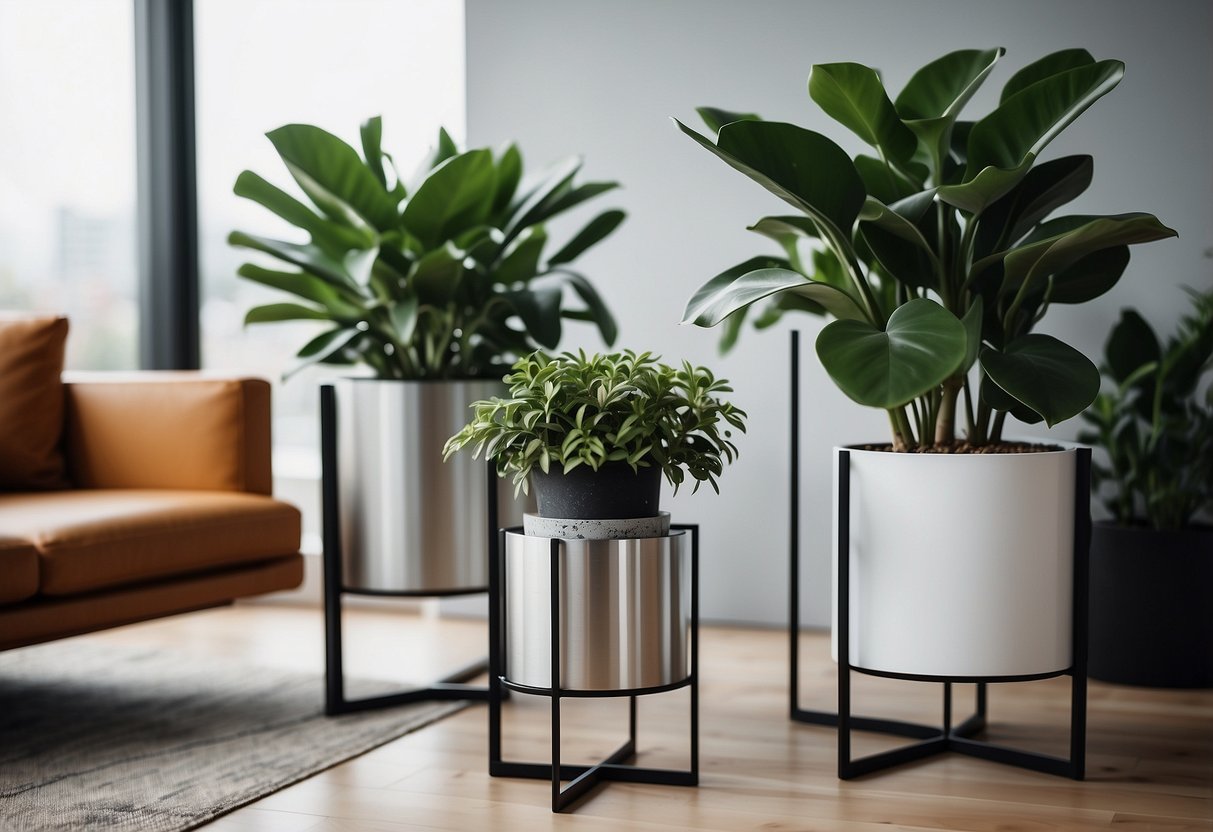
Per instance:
{"type": "Point", "coordinates": [168, 430]}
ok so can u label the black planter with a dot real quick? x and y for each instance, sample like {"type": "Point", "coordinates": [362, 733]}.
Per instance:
{"type": "Point", "coordinates": [612, 492]}
{"type": "Point", "coordinates": [1151, 617]}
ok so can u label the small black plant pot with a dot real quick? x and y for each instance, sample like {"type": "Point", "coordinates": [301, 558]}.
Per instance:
{"type": "Point", "coordinates": [1151, 618]}
{"type": "Point", "coordinates": [612, 492]}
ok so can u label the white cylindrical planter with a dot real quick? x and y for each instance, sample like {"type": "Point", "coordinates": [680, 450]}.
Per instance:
{"type": "Point", "coordinates": [625, 612]}
{"type": "Point", "coordinates": [961, 565]}
{"type": "Point", "coordinates": [410, 522]}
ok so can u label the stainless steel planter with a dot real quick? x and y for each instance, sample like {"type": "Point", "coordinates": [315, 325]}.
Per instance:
{"type": "Point", "coordinates": [625, 612]}
{"type": "Point", "coordinates": [411, 523]}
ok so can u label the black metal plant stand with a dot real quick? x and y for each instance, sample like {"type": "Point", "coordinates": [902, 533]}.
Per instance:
{"type": "Point", "coordinates": [948, 736]}
{"type": "Point", "coordinates": [452, 687]}
{"type": "Point", "coordinates": [615, 767]}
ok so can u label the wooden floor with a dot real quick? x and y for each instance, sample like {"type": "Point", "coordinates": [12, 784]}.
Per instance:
{"type": "Point", "coordinates": [1150, 753]}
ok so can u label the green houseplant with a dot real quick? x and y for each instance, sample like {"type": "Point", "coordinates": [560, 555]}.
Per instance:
{"type": "Point", "coordinates": [1152, 563]}
{"type": "Point", "coordinates": [939, 254]}
{"type": "Point", "coordinates": [442, 277]}
{"type": "Point", "coordinates": [595, 433]}
{"type": "Point", "coordinates": [436, 284]}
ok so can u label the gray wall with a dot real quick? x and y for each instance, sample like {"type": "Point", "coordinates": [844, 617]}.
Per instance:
{"type": "Point", "coordinates": [602, 79]}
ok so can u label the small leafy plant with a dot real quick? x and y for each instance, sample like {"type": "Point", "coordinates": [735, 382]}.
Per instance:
{"type": "Point", "coordinates": [576, 409]}
{"type": "Point", "coordinates": [938, 255]}
{"type": "Point", "coordinates": [443, 277]}
{"type": "Point", "coordinates": [1153, 423]}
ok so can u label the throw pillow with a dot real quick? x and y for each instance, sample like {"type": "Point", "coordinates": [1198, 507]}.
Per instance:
{"type": "Point", "coordinates": [31, 402]}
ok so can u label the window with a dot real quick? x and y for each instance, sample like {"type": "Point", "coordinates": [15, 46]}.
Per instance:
{"type": "Point", "coordinates": [67, 184]}
{"type": "Point", "coordinates": [264, 63]}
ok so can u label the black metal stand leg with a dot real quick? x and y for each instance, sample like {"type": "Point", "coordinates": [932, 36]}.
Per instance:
{"type": "Point", "coordinates": [451, 687]}
{"type": "Point", "coordinates": [947, 737]}
{"type": "Point", "coordinates": [617, 766]}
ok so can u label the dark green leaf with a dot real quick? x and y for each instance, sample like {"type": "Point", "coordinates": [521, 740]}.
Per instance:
{"type": "Point", "coordinates": [509, 172]}
{"type": "Point", "coordinates": [922, 345]}
{"type": "Point", "coordinates": [307, 257]}
{"type": "Point", "coordinates": [326, 347]}
{"type": "Point", "coordinates": [728, 292]}
{"type": "Point", "coordinates": [881, 181]}
{"type": "Point", "coordinates": [1047, 375]}
{"type": "Point", "coordinates": [995, 397]}
{"type": "Point", "coordinates": [1045, 188]}
{"type": "Point", "coordinates": [715, 118]}
{"type": "Point", "coordinates": [592, 234]}
{"type": "Point", "coordinates": [371, 132]}
{"type": "Point", "coordinates": [801, 167]}
{"type": "Point", "coordinates": [297, 283]}
{"type": "Point", "coordinates": [521, 262]}
{"type": "Point", "coordinates": [539, 309]}
{"type": "Point", "coordinates": [1045, 67]}
{"type": "Point", "coordinates": [972, 323]}
{"type": "Point", "coordinates": [333, 176]}
{"type": "Point", "coordinates": [597, 310]}
{"type": "Point", "coordinates": [404, 318]}
{"type": "Point", "coordinates": [1091, 276]}
{"type": "Point", "coordinates": [941, 88]}
{"type": "Point", "coordinates": [455, 197]}
{"type": "Point", "coordinates": [1131, 344]}
{"type": "Point", "coordinates": [436, 276]}
{"type": "Point", "coordinates": [852, 95]}
{"type": "Point", "coordinates": [330, 236]}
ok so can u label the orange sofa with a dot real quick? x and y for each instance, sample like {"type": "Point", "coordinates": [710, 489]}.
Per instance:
{"type": "Point", "coordinates": [166, 508]}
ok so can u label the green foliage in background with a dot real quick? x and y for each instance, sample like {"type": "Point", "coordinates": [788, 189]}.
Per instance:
{"type": "Point", "coordinates": [572, 410]}
{"type": "Point", "coordinates": [938, 255]}
{"type": "Point", "coordinates": [1154, 422]}
{"type": "Point", "coordinates": [445, 276]}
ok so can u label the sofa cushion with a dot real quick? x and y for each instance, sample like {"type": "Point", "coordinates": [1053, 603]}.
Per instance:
{"type": "Point", "coordinates": [18, 569]}
{"type": "Point", "coordinates": [93, 539]}
{"type": "Point", "coordinates": [31, 402]}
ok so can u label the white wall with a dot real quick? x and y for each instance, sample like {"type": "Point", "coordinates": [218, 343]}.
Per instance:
{"type": "Point", "coordinates": [602, 79]}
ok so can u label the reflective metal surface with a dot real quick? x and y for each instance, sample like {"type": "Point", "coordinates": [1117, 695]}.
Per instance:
{"type": "Point", "coordinates": [409, 521]}
{"type": "Point", "coordinates": [625, 612]}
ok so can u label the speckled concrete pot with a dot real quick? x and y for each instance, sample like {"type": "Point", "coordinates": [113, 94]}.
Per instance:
{"type": "Point", "coordinates": [613, 529]}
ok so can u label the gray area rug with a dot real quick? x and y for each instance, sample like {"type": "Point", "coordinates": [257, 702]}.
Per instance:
{"type": "Point", "coordinates": [103, 738]}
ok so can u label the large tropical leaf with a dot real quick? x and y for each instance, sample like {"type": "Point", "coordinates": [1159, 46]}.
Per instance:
{"type": "Point", "coordinates": [728, 292]}
{"type": "Point", "coordinates": [1077, 238]}
{"type": "Point", "coordinates": [882, 182]}
{"type": "Point", "coordinates": [509, 172]}
{"type": "Point", "coordinates": [456, 196]}
{"type": "Point", "coordinates": [1004, 144]}
{"type": "Point", "coordinates": [539, 309]}
{"type": "Point", "coordinates": [799, 166]}
{"type": "Point", "coordinates": [1045, 188]}
{"type": "Point", "coordinates": [1051, 64]}
{"type": "Point", "coordinates": [371, 132]}
{"type": "Point", "coordinates": [922, 345]}
{"type": "Point", "coordinates": [521, 262]}
{"type": "Point", "coordinates": [1050, 377]}
{"type": "Point", "coordinates": [530, 197]}
{"type": "Point", "coordinates": [333, 238]}
{"type": "Point", "coordinates": [310, 258]}
{"type": "Point", "coordinates": [592, 234]}
{"type": "Point", "coordinates": [333, 176]}
{"type": "Point", "coordinates": [853, 95]}
{"type": "Point", "coordinates": [1091, 276]}
{"type": "Point", "coordinates": [301, 284]}
{"type": "Point", "coordinates": [273, 312]}
{"type": "Point", "coordinates": [437, 275]}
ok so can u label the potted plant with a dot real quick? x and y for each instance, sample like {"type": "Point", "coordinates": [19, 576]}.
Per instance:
{"type": "Point", "coordinates": [594, 434]}
{"type": "Point", "coordinates": [435, 285]}
{"type": "Point", "coordinates": [938, 256]}
{"type": "Point", "coordinates": [1152, 563]}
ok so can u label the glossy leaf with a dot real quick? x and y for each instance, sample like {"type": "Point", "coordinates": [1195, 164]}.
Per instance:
{"type": "Point", "coordinates": [715, 118]}
{"type": "Point", "coordinates": [972, 321]}
{"type": "Point", "coordinates": [509, 173]}
{"type": "Point", "coordinates": [922, 345]}
{"type": "Point", "coordinates": [301, 284]}
{"type": "Point", "coordinates": [333, 176]}
{"type": "Point", "coordinates": [1052, 254]}
{"type": "Point", "coordinates": [881, 181]}
{"type": "Point", "coordinates": [801, 167]}
{"type": "Point", "coordinates": [307, 257]}
{"type": "Point", "coordinates": [1048, 66]}
{"type": "Point", "coordinates": [539, 309]}
{"type": "Point", "coordinates": [326, 234]}
{"type": "Point", "coordinates": [1091, 276]}
{"type": "Point", "coordinates": [436, 277]}
{"type": "Point", "coordinates": [371, 132]}
{"type": "Point", "coordinates": [592, 234]}
{"type": "Point", "coordinates": [1044, 189]}
{"type": "Point", "coordinates": [455, 197]}
{"type": "Point", "coordinates": [853, 95]}
{"type": "Point", "coordinates": [725, 294]}
{"type": "Point", "coordinates": [997, 398]}
{"type": "Point", "coordinates": [521, 262]}
{"type": "Point", "coordinates": [1045, 374]}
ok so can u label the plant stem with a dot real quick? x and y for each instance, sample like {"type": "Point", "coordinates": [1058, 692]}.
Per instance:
{"type": "Point", "coordinates": [969, 424]}
{"type": "Point", "coordinates": [945, 427]}
{"type": "Point", "coordinates": [996, 431]}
